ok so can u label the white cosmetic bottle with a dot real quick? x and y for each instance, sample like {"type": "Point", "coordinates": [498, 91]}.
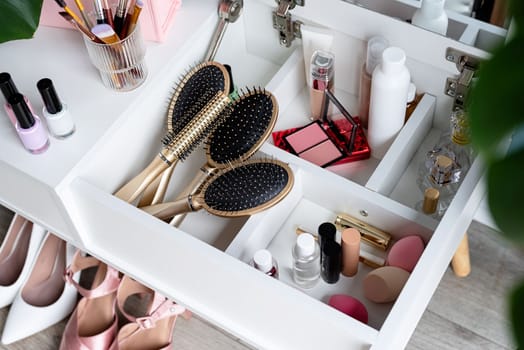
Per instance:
{"type": "Point", "coordinates": [431, 16]}
{"type": "Point", "coordinates": [387, 107]}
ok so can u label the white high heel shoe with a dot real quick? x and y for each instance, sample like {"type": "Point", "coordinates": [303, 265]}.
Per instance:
{"type": "Point", "coordinates": [45, 298]}
{"type": "Point", "coordinates": [17, 254]}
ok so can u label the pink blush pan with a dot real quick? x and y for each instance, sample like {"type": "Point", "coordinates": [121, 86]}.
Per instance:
{"type": "Point", "coordinates": [322, 154]}
{"type": "Point", "coordinates": [306, 137]}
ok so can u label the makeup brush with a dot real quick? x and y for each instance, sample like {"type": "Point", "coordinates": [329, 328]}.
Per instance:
{"type": "Point", "coordinates": [80, 27]}
{"type": "Point", "coordinates": [180, 143]}
{"type": "Point", "coordinates": [248, 126]}
{"type": "Point", "coordinates": [80, 7]}
{"type": "Point", "coordinates": [193, 90]}
{"type": "Point", "coordinates": [241, 190]}
{"type": "Point", "coordinates": [66, 8]}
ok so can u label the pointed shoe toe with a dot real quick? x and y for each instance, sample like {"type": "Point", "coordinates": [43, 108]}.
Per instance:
{"type": "Point", "coordinates": [17, 254]}
{"type": "Point", "coordinates": [45, 299]}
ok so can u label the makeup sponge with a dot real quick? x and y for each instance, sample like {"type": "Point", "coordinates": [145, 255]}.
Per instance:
{"type": "Point", "coordinates": [406, 252]}
{"type": "Point", "coordinates": [350, 306]}
{"type": "Point", "coordinates": [383, 285]}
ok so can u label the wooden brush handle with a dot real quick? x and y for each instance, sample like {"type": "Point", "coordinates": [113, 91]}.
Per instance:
{"type": "Point", "coordinates": [460, 261]}
{"type": "Point", "coordinates": [205, 171]}
{"type": "Point", "coordinates": [130, 191]}
{"type": "Point", "coordinates": [165, 211]}
{"type": "Point", "coordinates": [156, 191]}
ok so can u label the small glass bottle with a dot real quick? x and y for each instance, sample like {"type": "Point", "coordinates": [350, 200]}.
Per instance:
{"type": "Point", "coordinates": [446, 165]}
{"type": "Point", "coordinates": [264, 261]}
{"type": "Point", "coordinates": [306, 261]}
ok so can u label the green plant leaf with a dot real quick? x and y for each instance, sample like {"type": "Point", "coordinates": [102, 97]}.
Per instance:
{"type": "Point", "coordinates": [517, 314]}
{"type": "Point", "coordinates": [506, 194]}
{"type": "Point", "coordinates": [19, 18]}
{"type": "Point", "coordinates": [496, 107]}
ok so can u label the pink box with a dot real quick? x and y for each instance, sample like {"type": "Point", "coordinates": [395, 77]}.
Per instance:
{"type": "Point", "coordinates": [156, 17]}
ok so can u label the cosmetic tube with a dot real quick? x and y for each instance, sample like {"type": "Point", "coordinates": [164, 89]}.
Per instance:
{"type": "Point", "coordinates": [306, 261]}
{"type": "Point", "coordinates": [326, 232]}
{"type": "Point", "coordinates": [29, 127]}
{"type": "Point", "coordinates": [387, 105]}
{"type": "Point", "coordinates": [56, 114]}
{"type": "Point", "coordinates": [350, 251]}
{"type": "Point", "coordinates": [376, 45]}
{"type": "Point", "coordinates": [313, 39]}
{"type": "Point", "coordinates": [331, 264]}
{"type": "Point", "coordinates": [8, 88]}
{"type": "Point", "coordinates": [264, 261]}
{"type": "Point", "coordinates": [431, 16]}
{"type": "Point", "coordinates": [322, 78]}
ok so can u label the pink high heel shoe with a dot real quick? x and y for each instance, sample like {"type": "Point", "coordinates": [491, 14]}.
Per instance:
{"type": "Point", "coordinates": [17, 254]}
{"type": "Point", "coordinates": [154, 331]}
{"type": "Point", "coordinates": [94, 323]}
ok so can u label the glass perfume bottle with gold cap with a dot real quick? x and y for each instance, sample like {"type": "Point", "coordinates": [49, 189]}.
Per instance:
{"type": "Point", "coordinates": [446, 165]}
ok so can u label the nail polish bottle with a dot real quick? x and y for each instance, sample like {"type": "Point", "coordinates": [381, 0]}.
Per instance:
{"type": "Point", "coordinates": [58, 119]}
{"type": "Point", "coordinates": [8, 88]}
{"type": "Point", "coordinates": [264, 261]}
{"type": "Point", "coordinates": [306, 261]}
{"type": "Point", "coordinates": [29, 127]}
{"type": "Point", "coordinates": [331, 265]}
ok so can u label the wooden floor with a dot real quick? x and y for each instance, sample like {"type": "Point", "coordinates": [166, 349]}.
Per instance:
{"type": "Point", "coordinates": [464, 313]}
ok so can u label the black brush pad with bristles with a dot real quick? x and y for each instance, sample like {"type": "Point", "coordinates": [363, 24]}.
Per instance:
{"type": "Point", "coordinates": [241, 132]}
{"type": "Point", "coordinates": [194, 90]}
{"type": "Point", "coordinates": [246, 186]}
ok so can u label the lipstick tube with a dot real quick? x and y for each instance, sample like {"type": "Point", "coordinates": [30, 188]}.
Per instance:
{"type": "Point", "coordinates": [322, 79]}
{"type": "Point", "coordinates": [369, 234]}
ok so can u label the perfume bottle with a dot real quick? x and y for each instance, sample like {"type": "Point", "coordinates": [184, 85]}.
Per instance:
{"type": "Point", "coordinates": [446, 165]}
{"type": "Point", "coordinates": [264, 261]}
{"type": "Point", "coordinates": [306, 261]}
{"type": "Point", "coordinates": [429, 205]}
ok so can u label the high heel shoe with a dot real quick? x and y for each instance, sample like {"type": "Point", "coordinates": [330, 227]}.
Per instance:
{"type": "Point", "coordinates": [17, 253]}
{"type": "Point", "coordinates": [94, 323]}
{"type": "Point", "coordinates": [154, 331]}
{"type": "Point", "coordinates": [44, 299]}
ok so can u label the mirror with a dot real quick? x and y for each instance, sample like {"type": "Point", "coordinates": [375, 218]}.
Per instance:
{"type": "Point", "coordinates": [479, 23]}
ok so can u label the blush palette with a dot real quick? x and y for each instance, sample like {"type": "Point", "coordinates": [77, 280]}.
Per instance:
{"type": "Point", "coordinates": [313, 144]}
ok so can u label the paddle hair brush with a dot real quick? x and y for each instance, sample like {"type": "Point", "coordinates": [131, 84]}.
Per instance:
{"type": "Point", "coordinates": [241, 190]}
{"type": "Point", "coordinates": [247, 127]}
{"type": "Point", "coordinates": [193, 91]}
{"type": "Point", "coordinates": [179, 144]}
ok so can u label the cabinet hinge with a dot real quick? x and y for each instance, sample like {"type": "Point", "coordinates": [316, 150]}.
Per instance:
{"type": "Point", "coordinates": [459, 87]}
{"type": "Point", "coordinates": [287, 28]}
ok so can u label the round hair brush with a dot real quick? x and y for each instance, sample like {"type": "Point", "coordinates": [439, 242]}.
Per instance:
{"type": "Point", "coordinates": [247, 127]}
{"type": "Point", "coordinates": [245, 189]}
{"type": "Point", "coordinates": [188, 130]}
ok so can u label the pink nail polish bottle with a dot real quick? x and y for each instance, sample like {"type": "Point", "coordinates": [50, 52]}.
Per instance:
{"type": "Point", "coordinates": [29, 127]}
{"type": "Point", "coordinates": [8, 88]}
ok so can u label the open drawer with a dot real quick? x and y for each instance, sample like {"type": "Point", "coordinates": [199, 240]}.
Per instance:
{"type": "Point", "coordinates": [203, 263]}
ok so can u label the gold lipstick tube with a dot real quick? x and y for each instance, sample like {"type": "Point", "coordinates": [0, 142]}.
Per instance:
{"type": "Point", "coordinates": [369, 234]}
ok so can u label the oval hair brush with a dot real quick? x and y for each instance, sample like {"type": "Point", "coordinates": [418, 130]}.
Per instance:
{"type": "Point", "coordinates": [244, 189]}
{"type": "Point", "coordinates": [178, 145]}
{"type": "Point", "coordinates": [196, 88]}
{"type": "Point", "coordinates": [247, 127]}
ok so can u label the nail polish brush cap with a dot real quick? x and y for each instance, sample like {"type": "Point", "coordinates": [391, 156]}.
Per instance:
{"type": "Point", "coordinates": [7, 86]}
{"type": "Point", "coordinates": [23, 114]}
{"type": "Point", "coordinates": [47, 91]}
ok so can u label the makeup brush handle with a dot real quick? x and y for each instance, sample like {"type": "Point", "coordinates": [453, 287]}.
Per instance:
{"type": "Point", "coordinates": [130, 191]}
{"type": "Point", "coordinates": [205, 172]}
{"type": "Point", "coordinates": [165, 211]}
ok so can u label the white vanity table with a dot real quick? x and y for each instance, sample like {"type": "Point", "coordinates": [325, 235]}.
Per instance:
{"type": "Point", "coordinates": [202, 264]}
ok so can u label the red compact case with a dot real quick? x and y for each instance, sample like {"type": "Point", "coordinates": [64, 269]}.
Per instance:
{"type": "Point", "coordinates": [313, 144]}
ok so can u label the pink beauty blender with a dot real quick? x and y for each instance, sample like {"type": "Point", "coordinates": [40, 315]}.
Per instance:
{"type": "Point", "coordinates": [405, 253]}
{"type": "Point", "coordinates": [350, 306]}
